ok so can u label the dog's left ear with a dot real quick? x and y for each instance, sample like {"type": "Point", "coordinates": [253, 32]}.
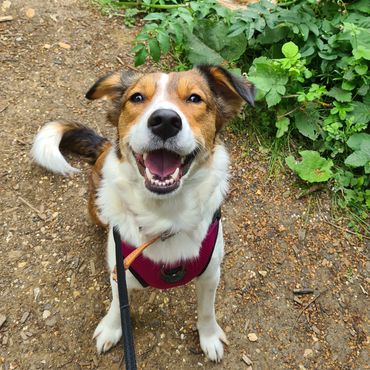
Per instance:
{"type": "Point", "coordinates": [230, 91]}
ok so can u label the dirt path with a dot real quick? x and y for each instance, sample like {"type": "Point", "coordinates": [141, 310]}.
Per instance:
{"type": "Point", "coordinates": [53, 283]}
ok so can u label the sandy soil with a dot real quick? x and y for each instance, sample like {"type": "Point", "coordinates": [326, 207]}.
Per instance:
{"type": "Point", "coordinates": [53, 283]}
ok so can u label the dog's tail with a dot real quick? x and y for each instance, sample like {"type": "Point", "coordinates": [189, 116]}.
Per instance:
{"type": "Point", "coordinates": [70, 136]}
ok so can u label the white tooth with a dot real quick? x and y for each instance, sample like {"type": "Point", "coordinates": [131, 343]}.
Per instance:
{"type": "Point", "coordinates": [148, 173]}
{"type": "Point", "coordinates": [175, 174]}
{"type": "Point", "coordinates": [183, 160]}
{"type": "Point", "coordinates": [168, 182]}
{"type": "Point", "coordinates": [145, 155]}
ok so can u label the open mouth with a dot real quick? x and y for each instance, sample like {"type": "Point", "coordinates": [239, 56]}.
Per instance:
{"type": "Point", "coordinates": [162, 169]}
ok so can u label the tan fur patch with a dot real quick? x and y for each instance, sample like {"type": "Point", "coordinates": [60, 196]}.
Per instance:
{"type": "Point", "coordinates": [130, 113]}
{"type": "Point", "coordinates": [94, 184]}
{"type": "Point", "coordinates": [201, 116]}
{"type": "Point", "coordinates": [106, 87]}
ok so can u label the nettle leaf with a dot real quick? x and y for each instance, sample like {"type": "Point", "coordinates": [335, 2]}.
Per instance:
{"type": "Point", "coordinates": [361, 5]}
{"type": "Point", "coordinates": [348, 85]}
{"type": "Point", "coordinates": [359, 38]}
{"type": "Point", "coordinates": [357, 159]}
{"type": "Point", "coordinates": [360, 143]}
{"type": "Point", "coordinates": [339, 94]}
{"type": "Point", "coordinates": [270, 36]}
{"type": "Point", "coordinates": [164, 42]}
{"type": "Point", "coordinates": [307, 123]}
{"type": "Point", "coordinates": [140, 57]}
{"type": "Point", "coordinates": [212, 34]}
{"type": "Point", "coordinates": [200, 53]}
{"type": "Point", "coordinates": [282, 126]}
{"type": "Point", "coordinates": [177, 30]}
{"type": "Point", "coordinates": [360, 113]}
{"type": "Point", "coordinates": [312, 167]}
{"type": "Point", "coordinates": [273, 98]}
{"type": "Point", "coordinates": [215, 35]}
{"type": "Point", "coordinates": [155, 51]}
{"type": "Point", "coordinates": [154, 17]}
{"type": "Point", "coordinates": [234, 48]}
{"type": "Point", "coordinates": [290, 50]}
{"type": "Point", "coordinates": [307, 51]}
{"type": "Point", "coordinates": [269, 79]}
{"type": "Point", "coordinates": [361, 69]}
{"type": "Point", "coordinates": [357, 140]}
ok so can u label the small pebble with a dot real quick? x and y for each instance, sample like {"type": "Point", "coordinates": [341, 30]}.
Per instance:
{"type": "Point", "coordinates": [66, 46]}
{"type": "Point", "coordinates": [252, 337]}
{"type": "Point", "coordinates": [30, 13]}
{"type": "Point", "coordinates": [51, 322]}
{"type": "Point", "coordinates": [24, 317]}
{"type": "Point", "coordinates": [46, 314]}
{"type": "Point", "coordinates": [36, 293]}
{"type": "Point", "coordinates": [307, 352]}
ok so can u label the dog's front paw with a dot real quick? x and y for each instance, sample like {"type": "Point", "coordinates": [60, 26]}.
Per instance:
{"type": "Point", "coordinates": [211, 343]}
{"type": "Point", "coordinates": [107, 334]}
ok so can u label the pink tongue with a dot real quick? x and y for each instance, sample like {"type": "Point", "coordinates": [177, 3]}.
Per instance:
{"type": "Point", "coordinates": [162, 162]}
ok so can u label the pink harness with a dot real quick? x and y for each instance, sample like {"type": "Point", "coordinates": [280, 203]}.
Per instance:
{"type": "Point", "coordinates": [161, 276]}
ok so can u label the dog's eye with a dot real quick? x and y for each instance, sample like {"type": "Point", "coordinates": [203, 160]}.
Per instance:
{"type": "Point", "coordinates": [194, 98]}
{"type": "Point", "coordinates": [137, 98]}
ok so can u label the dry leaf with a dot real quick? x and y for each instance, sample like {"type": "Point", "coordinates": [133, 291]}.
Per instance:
{"type": "Point", "coordinates": [64, 45]}
{"type": "Point", "coordinates": [247, 360]}
{"type": "Point", "coordinates": [30, 13]}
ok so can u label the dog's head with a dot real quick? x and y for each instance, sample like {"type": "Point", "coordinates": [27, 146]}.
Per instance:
{"type": "Point", "coordinates": [169, 122]}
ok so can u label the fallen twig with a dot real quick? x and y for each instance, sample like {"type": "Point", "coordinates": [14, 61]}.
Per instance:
{"type": "Point", "coordinates": [27, 203]}
{"type": "Point", "coordinates": [120, 61]}
{"type": "Point", "coordinates": [4, 108]}
{"type": "Point", "coordinates": [303, 291]}
{"type": "Point", "coordinates": [363, 290]}
{"type": "Point", "coordinates": [346, 230]}
{"type": "Point", "coordinates": [6, 18]}
{"type": "Point", "coordinates": [9, 210]}
{"type": "Point", "coordinates": [311, 190]}
{"type": "Point", "coordinates": [309, 304]}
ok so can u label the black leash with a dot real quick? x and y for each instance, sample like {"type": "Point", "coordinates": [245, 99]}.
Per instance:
{"type": "Point", "coordinates": [128, 339]}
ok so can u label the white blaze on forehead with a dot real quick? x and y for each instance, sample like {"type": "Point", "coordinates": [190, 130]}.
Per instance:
{"type": "Point", "coordinates": [142, 139]}
{"type": "Point", "coordinates": [162, 84]}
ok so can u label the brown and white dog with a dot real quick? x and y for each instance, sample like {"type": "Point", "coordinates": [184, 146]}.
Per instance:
{"type": "Point", "coordinates": [166, 172]}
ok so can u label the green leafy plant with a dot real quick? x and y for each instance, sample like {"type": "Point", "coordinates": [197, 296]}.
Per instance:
{"type": "Point", "coordinates": [310, 63]}
{"type": "Point", "coordinates": [312, 168]}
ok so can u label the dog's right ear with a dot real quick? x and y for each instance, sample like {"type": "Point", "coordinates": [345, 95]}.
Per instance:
{"type": "Point", "coordinates": [112, 86]}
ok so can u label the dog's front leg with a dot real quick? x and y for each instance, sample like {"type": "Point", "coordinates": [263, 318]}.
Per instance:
{"type": "Point", "coordinates": [210, 334]}
{"type": "Point", "coordinates": [109, 330]}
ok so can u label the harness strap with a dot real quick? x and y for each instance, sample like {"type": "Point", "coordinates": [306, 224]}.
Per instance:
{"type": "Point", "coordinates": [128, 339]}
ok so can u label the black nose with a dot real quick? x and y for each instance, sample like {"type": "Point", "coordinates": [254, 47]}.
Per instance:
{"type": "Point", "coordinates": [165, 123]}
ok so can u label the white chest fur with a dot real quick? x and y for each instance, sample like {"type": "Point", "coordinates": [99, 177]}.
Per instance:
{"type": "Point", "coordinates": [124, 201]}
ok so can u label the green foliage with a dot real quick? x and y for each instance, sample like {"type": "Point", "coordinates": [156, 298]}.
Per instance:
{"type": "Point", "coordinates": [312, 168]}
{"type": "Point", "coordinates": [309, 60]}
{"type": "Point", "coordinates": [360, 143]}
